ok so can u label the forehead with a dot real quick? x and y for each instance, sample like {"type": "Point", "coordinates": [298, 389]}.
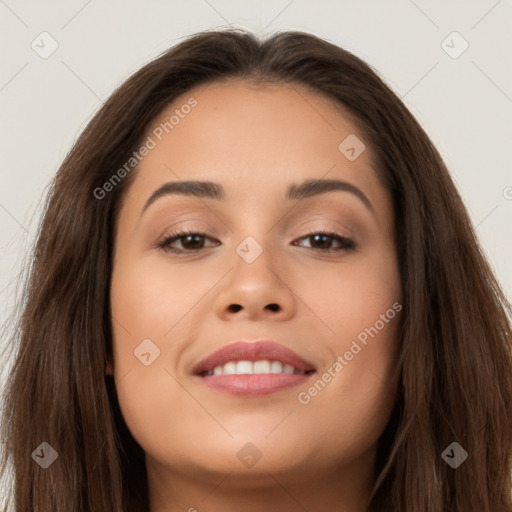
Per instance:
{"type": "Point", "coordinates": [254, 139]}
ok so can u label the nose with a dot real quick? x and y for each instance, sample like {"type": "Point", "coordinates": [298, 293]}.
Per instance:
{"type": "Point", "coordinates": [257, 290]}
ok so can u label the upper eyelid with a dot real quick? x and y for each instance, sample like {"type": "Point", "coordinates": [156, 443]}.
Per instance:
{"type": "Point", "coordinates": [345, 230]}
{"type": "Point", "coordinates": [179, 233]}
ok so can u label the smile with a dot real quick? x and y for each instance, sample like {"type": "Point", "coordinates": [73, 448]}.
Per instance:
{"type": "Point", "coordinates": [253, 369]}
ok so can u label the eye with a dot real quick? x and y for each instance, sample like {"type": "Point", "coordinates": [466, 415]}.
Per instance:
{"type": "Point", "coordinates": [192, 241]}
{"type": "Point", "coordinates": [322, 239]}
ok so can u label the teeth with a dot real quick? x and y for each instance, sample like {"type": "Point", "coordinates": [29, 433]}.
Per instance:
{"type": "Point", "coordinates": [249, 367]}
{"type": "Point", "coordinates": [261, 366]}
{"type": "Point", "coordinates": [276, 367]}
{"type": "Point", "coordinates": [243, 367]}
{"type": "Point", "coordinates": [229, 368]}
{"type": "Point", "coordinates": [287, 368]}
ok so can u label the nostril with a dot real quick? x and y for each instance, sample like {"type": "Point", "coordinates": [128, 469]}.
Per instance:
{"type": "Point", "coordinates": [235, 307]}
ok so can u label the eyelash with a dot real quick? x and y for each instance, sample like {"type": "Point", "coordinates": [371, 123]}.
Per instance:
{"type": "Point", "coordinates": [164, 245]}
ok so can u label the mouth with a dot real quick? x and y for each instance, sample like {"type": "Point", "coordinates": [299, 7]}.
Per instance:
{"type": "Point", "coordinates": [253, 368]}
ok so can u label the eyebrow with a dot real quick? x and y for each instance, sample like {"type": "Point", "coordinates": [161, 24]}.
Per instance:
{"type": "Point", "coordinates": [216, 191]}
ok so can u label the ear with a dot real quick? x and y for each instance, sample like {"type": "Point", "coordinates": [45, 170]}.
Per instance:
{"type": "Point", "coordinates": [109, 370]}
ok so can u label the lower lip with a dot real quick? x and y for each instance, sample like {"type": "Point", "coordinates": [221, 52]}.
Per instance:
{"type": "Point", "coordinates": [255, 384]}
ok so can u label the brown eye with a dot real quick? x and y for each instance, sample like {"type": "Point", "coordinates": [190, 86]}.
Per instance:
{"type": "Point", "coordinates": [190, 241]}
{"type": "Point", "coordinates": [323, 241]}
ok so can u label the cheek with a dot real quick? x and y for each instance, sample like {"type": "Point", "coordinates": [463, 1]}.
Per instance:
{"type": "Point", "coordinates": [351, 296]}
{"type": "Point", "coordinates": [151, 304]}
{"type": "Point", "coordinates": [151, 300]}
{"type": "Point", "coordinates": [359, 307]}
{"type": "Point", "coordinates": [145, 306]}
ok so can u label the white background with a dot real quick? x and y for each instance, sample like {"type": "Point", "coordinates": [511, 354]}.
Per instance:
{"type": "Point", "coordinates": [464, 104]}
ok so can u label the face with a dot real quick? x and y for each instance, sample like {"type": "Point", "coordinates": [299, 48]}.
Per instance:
{"type": "Point", "coordinates": [313, 270]}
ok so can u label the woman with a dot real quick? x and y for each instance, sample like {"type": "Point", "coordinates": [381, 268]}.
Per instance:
{"type": "Point", "coordinates": [256, 287]}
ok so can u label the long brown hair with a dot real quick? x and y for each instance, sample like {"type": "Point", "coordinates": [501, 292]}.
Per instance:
{"type": "Point", "coordinates": [454, 364]}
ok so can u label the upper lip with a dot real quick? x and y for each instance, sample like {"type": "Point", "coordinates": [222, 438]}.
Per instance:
{"type": "Point", "coordinates": [252, 351]}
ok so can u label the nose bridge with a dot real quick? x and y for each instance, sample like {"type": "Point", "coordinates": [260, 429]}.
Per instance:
{"type": "Point", "coordinates": [256, 234]}
{"type": "Point", "coordinates": [256, 255]}
{"type": "Point", "coordinates": [251, 228]}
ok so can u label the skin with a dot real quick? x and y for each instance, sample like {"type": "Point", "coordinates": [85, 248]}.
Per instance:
{"type": "Point", "coordinates": [255, 141]}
